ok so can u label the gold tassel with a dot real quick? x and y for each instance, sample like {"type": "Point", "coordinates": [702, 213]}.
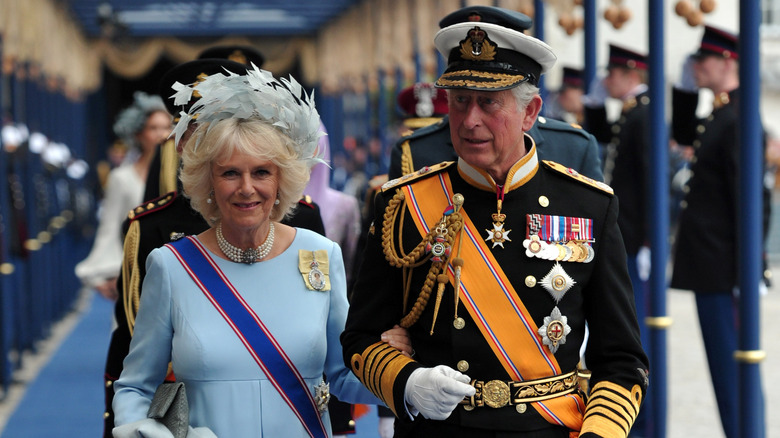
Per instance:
{"type": "Point", "coordinates": [442, 279]}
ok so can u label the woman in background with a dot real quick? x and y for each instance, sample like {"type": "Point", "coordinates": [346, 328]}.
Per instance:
{"type": "Point", "coordinates": [141, 126]}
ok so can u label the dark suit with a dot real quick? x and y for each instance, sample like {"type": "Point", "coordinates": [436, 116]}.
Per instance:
{"type": "Point", "coordinates": [626, 164]}
{"type": "Point", "coordinates": [555, 140]}
{"type": "Point", "coordinates": [602, 295]}
{"type": "Point", "coordinates": [706, 247]}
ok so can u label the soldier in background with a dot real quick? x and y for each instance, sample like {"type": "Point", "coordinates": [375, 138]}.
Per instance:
{"type": "Point", "coordinates": [706, 247]}
{"type": "Point", "coordinates": [626, 168]}
{"type": "Point", "coordinates": [567, 101]}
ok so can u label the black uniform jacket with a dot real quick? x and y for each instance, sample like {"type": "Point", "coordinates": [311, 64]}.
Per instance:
{"type": "Point", "coordinates": [601, 295]}
{"type": "Point", "coordinates": [706, 247]}
{"type": "Point", "coordinates": [555, 140]}
{"type": "Point", "coordinates": [626, 164]}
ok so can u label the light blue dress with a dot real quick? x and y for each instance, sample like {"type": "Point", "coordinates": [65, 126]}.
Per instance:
{"type": "Point", "coordinates": [226, 389]}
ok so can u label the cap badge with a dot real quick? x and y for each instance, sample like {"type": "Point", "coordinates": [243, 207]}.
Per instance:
{"type": "Point", "coordinates": [424, 95]}
{"type": "Point", "coordinates": [238, 56]}
{"type": "Point", "coordinates": [477, 46]}
{"type": "Point", "coordinates": [198, 79]}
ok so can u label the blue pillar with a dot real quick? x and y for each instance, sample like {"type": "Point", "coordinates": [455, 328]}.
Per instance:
{"type": "Point", "coordinates": [589, 10]}
{"type": "Point", "coordinates": [751, 171]}
{"type": "Point", "coordinates": [658, 321]}
{"type": "Point", "coordinates": [539, 32]}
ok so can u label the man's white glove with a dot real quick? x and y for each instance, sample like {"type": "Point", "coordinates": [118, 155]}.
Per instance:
{"type": "Point", "coordinates": [687, 78]}
{"type": "Point", "coordinates": [386, 427]}
{"type": "Point", "coordinates": [597, 93]}
{"type": "Point", "coordinates": [436, 392]}
{"type": "Point", "coordinates": [146, 428]}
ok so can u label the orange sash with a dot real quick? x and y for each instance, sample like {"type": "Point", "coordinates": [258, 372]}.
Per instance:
{"type": "Point", "coordinates": [493, 303]}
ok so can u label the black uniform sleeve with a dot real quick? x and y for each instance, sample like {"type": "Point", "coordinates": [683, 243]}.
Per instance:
{"type": "Point", "coordinates": [377, 305]}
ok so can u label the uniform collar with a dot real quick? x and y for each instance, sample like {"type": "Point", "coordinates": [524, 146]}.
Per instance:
{"type": "Point", "coordinates": [520, 172]}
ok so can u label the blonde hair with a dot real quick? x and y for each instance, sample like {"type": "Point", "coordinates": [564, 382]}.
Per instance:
{"type": "Point", "coordinates": [217, 141]}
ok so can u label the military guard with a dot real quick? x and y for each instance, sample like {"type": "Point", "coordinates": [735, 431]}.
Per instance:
{"type": "Point", "coordinates": [162, 220]}
{"type": "Point", "coordinates": [495, 263]}
{"type": "Point", "coordinates": [557, 141]}
{"type": "Point", "coordinates": [706, 246]}
{"type": "Point", "coordinates": [626, 169]}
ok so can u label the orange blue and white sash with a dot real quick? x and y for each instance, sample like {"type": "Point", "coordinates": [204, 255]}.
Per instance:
{"type": "Point", "coordinates": [493, 303]}
{"type": "Point", "coordinates": [255, 336]}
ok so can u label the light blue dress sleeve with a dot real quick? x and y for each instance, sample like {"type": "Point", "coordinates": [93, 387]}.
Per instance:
{"type": "Point", "coordinates": [146, 364]}
{"type": "Point", "coordinates": [343, 383]}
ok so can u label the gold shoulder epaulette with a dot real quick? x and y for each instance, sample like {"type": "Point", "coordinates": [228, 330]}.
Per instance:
{"type": "Point", "coordinates": [150, 206]}
{"type": "Point", "coordinates": [421, 173]}
{"type": "Point", "coordinates": [568, 171]}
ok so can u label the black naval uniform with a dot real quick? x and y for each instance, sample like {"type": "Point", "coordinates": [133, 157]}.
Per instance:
{"type": "Point", "coordinates": [149, 226]}
{"type": "Point", "coordinates": [557, 141]}
{"type": "Point", "coordinates": [706, 244]}
{"type": "Point", "coordinates": [706, 247]}
{"type": "Point", "coordinates": [625, 164]}
{"type": "Point", "coordinates": [601, 295]}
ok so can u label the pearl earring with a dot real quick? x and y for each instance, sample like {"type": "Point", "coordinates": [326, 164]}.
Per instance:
{"type": "Point", "coordinates": [208, 200]}
{"type": "Point", "coordinates": [277, 202]}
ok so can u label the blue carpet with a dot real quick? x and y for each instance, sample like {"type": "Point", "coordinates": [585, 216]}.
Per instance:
{"type": "Point", "coordinates": [66, 398]}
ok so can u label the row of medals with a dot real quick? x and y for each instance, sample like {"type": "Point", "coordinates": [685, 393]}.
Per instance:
{"type": "Point", "coordinates": [571, 251]}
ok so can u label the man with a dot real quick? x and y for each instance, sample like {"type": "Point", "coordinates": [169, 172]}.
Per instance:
{"type": "Point", "coordinates": [476, 298]}
{"type": "Point", "coordinates": [567, 103]}
{"type": "Point", "coordinates": [626, 170]}
{"type": "Point", "coordinates": [557, 141]}
{"type": "Point", "coordinates": [706, 247]}
{"type": "Point", "coordinates": [627, 158]}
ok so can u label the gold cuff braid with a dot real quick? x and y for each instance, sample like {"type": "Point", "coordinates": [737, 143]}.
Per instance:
{"type": "Point", "coordinates": [611, 410]}
{"type": "Point", "coordinates": [377, 367]}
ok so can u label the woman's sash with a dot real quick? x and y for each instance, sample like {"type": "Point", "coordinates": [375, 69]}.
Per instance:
{"type": "Point", "coordinates": [255, 336]}
{"type": "Point", "coordinates": [492, 301]}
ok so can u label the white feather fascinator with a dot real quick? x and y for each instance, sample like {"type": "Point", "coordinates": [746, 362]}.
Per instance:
{"type": "Point", "coordinates": [257, 95]}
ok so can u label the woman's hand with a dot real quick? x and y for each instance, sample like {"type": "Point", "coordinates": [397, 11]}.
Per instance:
{"type": "Point", "coordinates": [398, 337]}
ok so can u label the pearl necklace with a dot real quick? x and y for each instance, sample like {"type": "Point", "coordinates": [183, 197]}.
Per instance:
{"type": "Point", "coordinates": [249, 255]}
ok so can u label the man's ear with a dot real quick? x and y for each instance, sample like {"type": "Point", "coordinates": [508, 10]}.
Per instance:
{"type": "Point", "coordinates": [531, 112]}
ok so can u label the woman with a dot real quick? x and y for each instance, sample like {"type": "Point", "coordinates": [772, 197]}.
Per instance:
{"type": "Point", "coordinates": [244, 168]}
{"type": "Point", "coordinates": [141, 126]}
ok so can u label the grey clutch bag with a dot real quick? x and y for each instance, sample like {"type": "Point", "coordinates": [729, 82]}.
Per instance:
{"type": "Point", "coordinates": [169, 406]}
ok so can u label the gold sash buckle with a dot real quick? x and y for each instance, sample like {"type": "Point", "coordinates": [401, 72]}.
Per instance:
{"type": "Point", "coordinates": [499, 393]}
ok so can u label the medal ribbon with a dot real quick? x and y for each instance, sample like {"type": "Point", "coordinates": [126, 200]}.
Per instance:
{"type": "Point", "coordinates": [493, 304]}
{"type": "Point", "coordinates": [551, 228]}
{"type": "Point", "coordinates": [255, 336]}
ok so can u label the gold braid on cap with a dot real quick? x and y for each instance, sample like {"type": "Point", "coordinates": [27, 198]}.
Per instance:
{"type": "Point", "coordinates": [452, 223]}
